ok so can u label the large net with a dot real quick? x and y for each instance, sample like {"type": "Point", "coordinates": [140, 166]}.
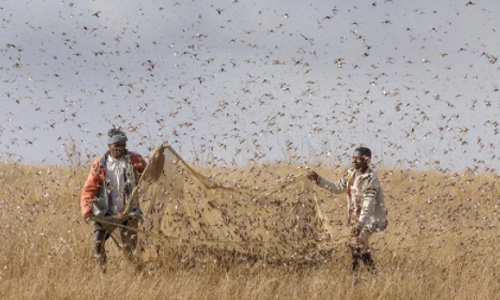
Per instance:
{"type": "Point", "coordinates": [191, 218]}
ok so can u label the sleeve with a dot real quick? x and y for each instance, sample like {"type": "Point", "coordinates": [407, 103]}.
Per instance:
{"type": "Point", "coordinates": [89, 190]}
{"type": "Point", "coordinates": [335, 187]}
{"type": "Point", "coordinates": [370, 190]}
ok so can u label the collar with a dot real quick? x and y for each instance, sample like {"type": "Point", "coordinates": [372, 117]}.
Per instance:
{"type": "Point", "coordinates": [108, 158]}
{"type": "Point", "coordinates": [367, 172]}
{"type": "Point", "coordinates": [111, 159]}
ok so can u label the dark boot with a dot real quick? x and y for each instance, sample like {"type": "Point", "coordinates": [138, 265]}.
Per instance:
{"type": "Point", "coordinates": [355, 256]}
{"type": "Point", "coordinates": [355, 264]}
{"type": "Point", "coordinates": [368, 261]}
{"type": "Point", "coordinates": [99, 250]}
{"type": "Point", "coordinates": [355, 260]}
{"type": "Point", "coordinates": [100, 255]}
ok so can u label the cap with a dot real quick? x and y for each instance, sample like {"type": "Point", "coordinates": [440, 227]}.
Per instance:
{"type": "Point", "coordinates": [116, 136]}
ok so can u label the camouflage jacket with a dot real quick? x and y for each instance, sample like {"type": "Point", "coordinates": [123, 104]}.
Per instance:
{"type": "Point", "coordinates": [365, 200]}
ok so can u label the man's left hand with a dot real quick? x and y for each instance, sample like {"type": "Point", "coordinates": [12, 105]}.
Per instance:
{"type": "Point", "coordinates": [355, 231]}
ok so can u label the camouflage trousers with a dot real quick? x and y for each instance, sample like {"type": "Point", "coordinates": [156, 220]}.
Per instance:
{"type": "Point", "coordinates": [361, 243]}
{"type": "Point", "coordinates": [127, 243]}
{"type": "Point", "coordinates": [360, 250]}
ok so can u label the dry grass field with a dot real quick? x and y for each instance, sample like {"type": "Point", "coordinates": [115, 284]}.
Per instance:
{"type": "Point", "coordinates": [442, 243]}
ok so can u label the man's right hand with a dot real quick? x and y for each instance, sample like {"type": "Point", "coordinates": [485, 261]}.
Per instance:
{"type": "Point", "coordinates": [313, 176]}
{"type": "Point", "coordinates": [87, 216]}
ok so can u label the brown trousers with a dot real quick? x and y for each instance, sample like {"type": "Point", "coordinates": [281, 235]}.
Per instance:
{"type": "Point", "coordinates": [128, 242]}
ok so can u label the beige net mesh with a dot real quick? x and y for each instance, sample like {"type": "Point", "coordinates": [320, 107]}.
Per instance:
{"type": "Point", "coordinates": [189, 218]}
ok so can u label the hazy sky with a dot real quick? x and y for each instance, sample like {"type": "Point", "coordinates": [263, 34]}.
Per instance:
{"type": "Point", "coordinates": [233, 82]}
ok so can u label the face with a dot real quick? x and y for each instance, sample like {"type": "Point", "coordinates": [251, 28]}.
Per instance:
{"type": "Point", "coordinates": [117, 150]}
{"type": "Point", "coordinates": [359, 161]}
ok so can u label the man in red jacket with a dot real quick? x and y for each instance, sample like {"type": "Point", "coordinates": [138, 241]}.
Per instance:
{"type": "Point", "coordinates": [107, 190]}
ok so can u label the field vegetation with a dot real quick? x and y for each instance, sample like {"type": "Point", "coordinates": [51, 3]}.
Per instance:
{"type": "Point", "coordinates": [442, 243]}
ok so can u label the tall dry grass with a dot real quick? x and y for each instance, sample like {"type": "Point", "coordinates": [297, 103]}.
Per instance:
{"type": "Point", "coordinates": [442, 243]}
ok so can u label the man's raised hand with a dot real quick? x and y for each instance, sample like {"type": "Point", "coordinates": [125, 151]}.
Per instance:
{"type": "Point", "coordinates": [313, 176]}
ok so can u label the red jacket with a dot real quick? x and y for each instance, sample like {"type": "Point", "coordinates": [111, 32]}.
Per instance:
{"type": "Point", "coordinates": [97, 179]}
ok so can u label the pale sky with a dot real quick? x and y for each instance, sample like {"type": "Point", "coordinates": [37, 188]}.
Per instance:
{"type": "Point", "coordinates": [236, 82]}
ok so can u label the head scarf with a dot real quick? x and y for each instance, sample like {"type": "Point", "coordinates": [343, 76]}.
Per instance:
{"type": "Point", "coordinates": [116, 136]}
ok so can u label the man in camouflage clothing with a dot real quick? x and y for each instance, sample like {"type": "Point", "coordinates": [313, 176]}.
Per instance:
{"type": "Point", "coordinates": [365, 204]}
